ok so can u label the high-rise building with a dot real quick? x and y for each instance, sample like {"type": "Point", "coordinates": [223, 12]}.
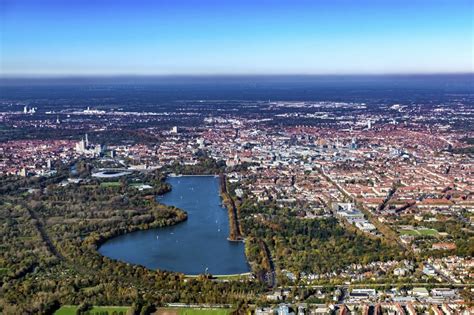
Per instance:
{"type": "Point", "coordinates": [84, 147]}
{"type": "Point", "coordinates": [28, 110]}
{"type": "Point", "coordinates": [353, 144]}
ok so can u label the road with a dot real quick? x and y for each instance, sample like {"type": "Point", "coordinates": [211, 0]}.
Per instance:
{"type": "Point", "coordinates": [270, 276]}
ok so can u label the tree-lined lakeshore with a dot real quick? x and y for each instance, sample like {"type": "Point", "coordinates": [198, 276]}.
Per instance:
{"type": "Point", "coordinates": [198, 246]}
{"type": "Point", "coordinates": [235, 233]}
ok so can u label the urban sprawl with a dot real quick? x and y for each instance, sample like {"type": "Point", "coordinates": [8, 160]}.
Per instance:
{"type": "Point", "coordinates": [403, 174]}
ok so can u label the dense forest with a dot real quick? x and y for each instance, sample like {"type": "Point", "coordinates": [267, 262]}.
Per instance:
{"type": "Point", "coordinates": [312, 246]}
{"type": "Point", "coordinates": [204, 166]}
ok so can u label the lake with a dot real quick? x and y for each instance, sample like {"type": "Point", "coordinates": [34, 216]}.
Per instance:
{"type": "Point", "coordinates": [191, 246]}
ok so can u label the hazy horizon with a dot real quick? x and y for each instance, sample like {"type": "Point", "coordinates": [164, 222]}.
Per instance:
{"type": "Point", "coordinates": [231, 75]}
{"type": "Point", "coordinates": [261, 87]}
{"type": "Point", "coordinates": [258, 37]}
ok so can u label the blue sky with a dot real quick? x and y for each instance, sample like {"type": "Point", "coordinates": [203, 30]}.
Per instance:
{"type": "Point", "coordinates": [116, 37]}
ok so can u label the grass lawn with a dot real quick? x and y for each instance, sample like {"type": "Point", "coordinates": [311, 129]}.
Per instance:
{"type": "Point", "coordinates": [233, 277]}
{"type": "Point", "coordinates": [192, 311]}
{"type": "Point", "coordinates": [110, 184]}
{"type": "Point", "coordinates": [71, 310]}
{"type": "Point", "coordinates": [429, 232]}
{"type": "Point", "coordinates": [409, 232]}
{"type": "Point", "coordinates": [420, 232]}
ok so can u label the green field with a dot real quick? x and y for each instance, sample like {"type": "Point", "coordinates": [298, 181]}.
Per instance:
{"type": "Point", "coordinates": [71, 310]}
{"type": "Point", "coordinates": [236, 276]}
{"type": "Point", "coordinates": [420, 232]}
{"type": "Point", "coordinates": [110, 184]}
{"type": "Point", "coordinates": [192, 311]}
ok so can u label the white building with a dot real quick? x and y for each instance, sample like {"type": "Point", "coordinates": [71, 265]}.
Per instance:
{"type": "Point", "coordinates": [83, 147]}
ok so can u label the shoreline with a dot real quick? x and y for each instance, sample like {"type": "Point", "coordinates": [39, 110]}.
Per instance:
{"type": "Point", "coordinates": [232, 275]}
{"type": "Point", "coordinates": [235, 233]}
{"type": "Point", "coordinates": [104, 239]}
{"type": "Point", "coordinates": [184, 175]}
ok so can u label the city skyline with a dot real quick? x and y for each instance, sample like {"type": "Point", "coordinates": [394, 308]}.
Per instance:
{"type": "Point", "coordinates": [248, 37]}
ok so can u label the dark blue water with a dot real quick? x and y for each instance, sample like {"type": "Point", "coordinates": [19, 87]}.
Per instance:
{"type": "Point", "coordinates": [188, 247]}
